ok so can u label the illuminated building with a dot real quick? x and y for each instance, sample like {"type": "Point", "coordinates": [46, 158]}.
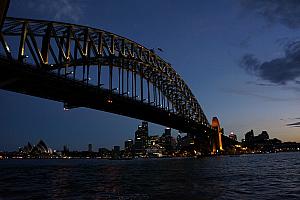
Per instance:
{"type": "Point", "coordinates": [154, 148]}
{"type": "Point", "coordinates": [104, 153]}
{"type": "Point", "coordinates": [153, 140]}
{"type": "Point", "coordinates": [40, 148]}
{"type": "Point", "coordinates": [232, 136]}
{"type": "Point", "coordinates": [128, 145]}
{"type": "Point", "coordinates": [167, 132]}
{"type": "Point", "coordinates": [166, 140]}
{"type": "Point", "coordinates": [128, 150]}
{"type": "Point", "coordinates": [141, 139]}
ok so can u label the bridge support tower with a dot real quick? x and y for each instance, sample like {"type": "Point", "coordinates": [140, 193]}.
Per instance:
{"type": "Point", "coordinates": [216, 137]}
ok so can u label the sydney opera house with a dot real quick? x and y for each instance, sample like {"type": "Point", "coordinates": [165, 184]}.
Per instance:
{"type": "Point", "coordinates": [39, 148]}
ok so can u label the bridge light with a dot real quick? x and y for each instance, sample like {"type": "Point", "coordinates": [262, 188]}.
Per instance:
{"type": "Point", "coordinates": [109, 101]}
{"type": "Point", "coordinates": [51, 65]}
{"type": "Point", "coordinates": [69, 73]}
{"type": "Point", "coordinates": [66, 109]}
{"type": "Point", "coordinates": [87, 79]}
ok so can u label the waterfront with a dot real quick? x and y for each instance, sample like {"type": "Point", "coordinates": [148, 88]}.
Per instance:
{"type": "Point", "coordinates": [259, 176]}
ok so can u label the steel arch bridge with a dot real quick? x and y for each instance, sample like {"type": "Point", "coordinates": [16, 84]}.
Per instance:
{"type": "Point", "coordinates": [87, 67]}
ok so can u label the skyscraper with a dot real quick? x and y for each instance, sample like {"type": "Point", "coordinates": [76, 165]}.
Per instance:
{"type": "Point", "coordinates": [141, 138]}
{"type": "Point", "coordinates": [249, 137]}
{"type": "Point", "coordinates": [128, 145]}
{"type": "Point", "coordinates": [232, 136]}
{"type": "Point", "coordinates": [90, 148]}
{"type": "Point", "coordinates": [66, 149]}
{"type": "Point", "coordinates": [166, 140]}
{"type": "Point", "coordinates": [167, 132]}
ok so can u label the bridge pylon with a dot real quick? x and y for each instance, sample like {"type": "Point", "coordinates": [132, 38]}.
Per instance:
{"type": "Point", "coordinates": [216, 137]}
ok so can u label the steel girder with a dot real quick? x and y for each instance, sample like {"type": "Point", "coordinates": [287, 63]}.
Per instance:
{"type": "Point", "coordinates": [55, 45]}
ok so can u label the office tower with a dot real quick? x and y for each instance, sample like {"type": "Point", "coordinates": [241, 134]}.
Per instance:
{"type": "Point", "coordinates": [141, 138]}
{"type": "Point", "coordinates": [90, 148]}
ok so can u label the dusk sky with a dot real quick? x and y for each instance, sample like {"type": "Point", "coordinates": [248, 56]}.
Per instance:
{"type": "Point", "coordinates": [241, 60]}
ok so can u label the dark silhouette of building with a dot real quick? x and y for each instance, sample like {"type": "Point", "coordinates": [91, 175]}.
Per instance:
{"type": "Point", "coordinates": [166, 141]}
{"type": "Point", "coordinates": [249, 138]}
{"type": "Point", "coordinates": [261, 138]}
{"type": "Point", "coordinates": [167, 132]}
{"type": "Point", "coordinates": [233, 136]}
{"type": "Point", "coordinates": [141, 139]}
{"type": "Point", "coordinates": [104, 153]}
{"type": "Point", "coordinates": [90, 148]}
{"type": "Point", "coordinates": [259, 143]}
{"type": "Point", "coordinates": [116, 152]}
{"type": "Point", "coordinates": [66, 149]}
{"type": "Point", "coordinates": [128, 144]}
{"type": "Point", "coordinates": [128, 148]}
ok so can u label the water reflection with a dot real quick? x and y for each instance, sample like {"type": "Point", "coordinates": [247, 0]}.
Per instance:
{"type": "Point", "coordinates": [273, 176]}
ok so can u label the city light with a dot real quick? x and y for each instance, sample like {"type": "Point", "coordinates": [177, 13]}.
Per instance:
{"type": "Point", "coordinates": [69, 73]}
{"type": "Point", "coordinates": [109, 101]}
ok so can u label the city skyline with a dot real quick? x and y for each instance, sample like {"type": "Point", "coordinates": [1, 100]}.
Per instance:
{"type": "Point", "coordinates": [145, 145]}
{"type": "Point", "coordinates": [215, 57]}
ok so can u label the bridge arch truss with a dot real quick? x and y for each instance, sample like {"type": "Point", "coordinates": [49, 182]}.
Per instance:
{"type": "Point", "coordinates": [100, 59]}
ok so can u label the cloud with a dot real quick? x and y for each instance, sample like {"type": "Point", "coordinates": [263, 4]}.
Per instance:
{"type": "Point", "coordinates": [296, 124]}
{"type": "Point", "coordinates": [285, 12]}
{"type": "Point", "coordinates": [58, 9]}
{"type": "Point", "coordinates": [261, 84]}
{"type": "Point", "coordinates": [279, 70]}
{"type": "Point", "coordinates": [284, 68]}
{"type": "Point", "coordinates": [265, 84]}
